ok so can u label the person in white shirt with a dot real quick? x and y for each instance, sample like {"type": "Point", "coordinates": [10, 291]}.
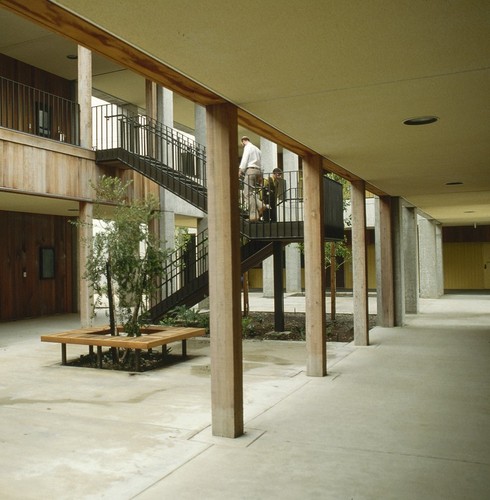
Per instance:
{"type": "Point", "coordinates": [251, 169]}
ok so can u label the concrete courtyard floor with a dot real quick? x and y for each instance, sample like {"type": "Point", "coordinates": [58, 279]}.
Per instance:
{"type": "Point", "coordinates": [405, 418]}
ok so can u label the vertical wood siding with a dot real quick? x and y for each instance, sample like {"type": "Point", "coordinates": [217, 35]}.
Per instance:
{"type": "Point", "coordinates": [22, 291]}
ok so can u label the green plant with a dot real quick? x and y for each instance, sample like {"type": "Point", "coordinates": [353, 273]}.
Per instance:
{"type": "Point", "coordinates": [342, 253]}
{"type": "Point", "coordinates": [183, 316]}
{"type": "Point", "coordinates": [250, 325]}
{"type": "Point", "coordinates": [124, 256]}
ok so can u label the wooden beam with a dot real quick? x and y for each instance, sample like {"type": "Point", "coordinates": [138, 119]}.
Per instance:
{"type": "Point", "coordinates": [314, 267]}
{"type": "Point", "coordinates": [65, 23]}
{"type": "Point", "coordinates": [224, 271]}
{"type": "Point", "coordinates": [384, 264]}
{"type": "Point", "coordinates": [359, 263]}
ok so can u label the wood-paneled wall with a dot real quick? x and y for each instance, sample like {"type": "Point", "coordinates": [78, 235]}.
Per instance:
{"type": "Point", "coordinates": [35, 165]}
{"type": "Point", "coordinates": [23, 293]}
{"type": "Point", "coordinates": [35, 77]}
{"type": "Point", "coordinates": [31, 95]}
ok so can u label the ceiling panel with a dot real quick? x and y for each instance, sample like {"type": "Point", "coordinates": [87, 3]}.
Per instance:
{"type": "Point", "coordinates": [339, 77]}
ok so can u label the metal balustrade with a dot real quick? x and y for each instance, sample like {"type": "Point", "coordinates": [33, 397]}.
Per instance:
{"type": "Point", "coordinates": [174, 161]}
{"type": "Point", "coordinates": [30, 110]}
{"type": "Point", "coordinates": [114, 127]}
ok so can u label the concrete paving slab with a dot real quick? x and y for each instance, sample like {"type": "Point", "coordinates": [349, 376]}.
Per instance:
{"type": "Point", "coordinates": [405, 418]}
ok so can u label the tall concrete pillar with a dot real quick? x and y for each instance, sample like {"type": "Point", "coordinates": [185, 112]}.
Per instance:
{"type": "Point", "coordinates": [165, 115]}
{"type": "Point", "coordinates": [405, 259]}
{"type": "Point", "coordinates": [398, 261]}
{"type": "Point", "coordinates": [384, 262]}
{"type": "Point", "coordinates": [410, 257]}
{"type": "Point", "coordinates": [200, 124]}
{"type": "Point", "coordinates": [290, 162]}
{"type": "Point", "coordinates": [224, 272]}
{"type": "Point", "coordinates": [85, 235]}
{"type": "Point", "coordinates": [151, 96]}
{"type": "Point", "coordinates": [440, 262]}
{"type": "Point", "coordinates": [430, 258]}
{"type": "Point", "coordinates": [293, 268]}
{"type": "Point", "coordinates": [269, 163]}
{"type": "Point", "coordinates": [314, 267]}
{"type": "Point", "coordinates": [200, 138]}
{"type": "Point", "coordinates": [84, 91]}
{"type": "Point", "coordinates": [359, 263]}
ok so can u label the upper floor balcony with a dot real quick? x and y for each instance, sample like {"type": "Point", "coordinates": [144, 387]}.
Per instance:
{"type": "Point", "coordinates": [40, 113]}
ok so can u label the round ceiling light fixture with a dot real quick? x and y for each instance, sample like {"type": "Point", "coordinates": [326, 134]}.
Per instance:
{"type": "Point", "coordinates": [421, 120]}
{"type": "Point", "coordinates": [72, 56]}
{"type": "Point", "coordinates": [456, 183]}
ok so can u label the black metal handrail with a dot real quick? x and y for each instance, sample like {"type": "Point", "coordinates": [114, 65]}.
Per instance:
{"type": "Point", "coordinates": [27, 109]}
{"type": "Point", "coordinates": [115, 127]}
{"type": "Point", "coordinates": [179, 164]}
{"type": "Point", "coordinates": [186, 277]}
{"type": "Point", "coordinates": [185, 264]}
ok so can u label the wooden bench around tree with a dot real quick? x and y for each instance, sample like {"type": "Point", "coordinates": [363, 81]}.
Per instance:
{"type": "Point", "coordinates": [151, 336]}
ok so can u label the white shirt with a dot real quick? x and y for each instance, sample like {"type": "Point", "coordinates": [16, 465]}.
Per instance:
{"type": "Point", "coordinates": [251, 157]}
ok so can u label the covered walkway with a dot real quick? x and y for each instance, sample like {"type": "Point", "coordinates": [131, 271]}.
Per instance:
{"type": "Point", "coordinates": [406, 418]}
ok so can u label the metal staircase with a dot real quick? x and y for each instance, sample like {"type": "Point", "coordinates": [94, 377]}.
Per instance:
{"type": "Point", "coordinates": [177, 163]}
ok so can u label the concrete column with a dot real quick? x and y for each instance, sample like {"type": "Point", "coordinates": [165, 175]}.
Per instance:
{"type": "Point", "coordinates": [269, 162]}
{"type": "Point", "coordinates": [200, 124]}
{"type": "Point", "coordinates": [164, 108]}
{"type": "Point", "coordinates": [440, 261]}
{"type": "Point", "coordinates": [314, 267]}
{"type": "Point", "coordinates": [151, 90]}
{"type": "Point", "coordinates": [85, 233]}
{"type": "Point", "coordinates": [398, 261]}
{"type": "Point", "coordinates": [268, 277]}
{"type": "Point", "coordinates": [290, 162]}
{"type": "Point", "coordinates": [224, 271]}
{"type": "Point", "coordinates": [293, 268]}
{"type": "Point", "coordinates": [85, 96]}
{"type": "Point", "coordinates": [429, 258]}
{"type": "Point", "coordinates": [384, 263]}
{"type": "Point", "coordinates": [200, 138]}
{"type": "Point", "coordinates": [359, 263]}
{"type": "Point", "coordinates": [410, 257]}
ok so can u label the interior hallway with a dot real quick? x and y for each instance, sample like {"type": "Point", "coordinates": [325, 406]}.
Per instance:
{"type": "Point", "coordinates": [406, 418]}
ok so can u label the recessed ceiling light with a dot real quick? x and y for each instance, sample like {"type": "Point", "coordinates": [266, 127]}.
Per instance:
{"type": "Point", "coordinates": [457, 183]}
{"type": "Point", "coordinates": [421, 120]}
{"type": "Point", "coordinates": [469, 211]}
{"type": "Point", "coordinates": [72, 56]}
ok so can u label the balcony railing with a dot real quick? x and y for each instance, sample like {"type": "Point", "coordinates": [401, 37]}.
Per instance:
{"type": "Point", "coordinates": [115, 127]}
{"type": "Point", "coordinates": [33, 111]}
{"type": "Point", "coordinates": [261, 203]}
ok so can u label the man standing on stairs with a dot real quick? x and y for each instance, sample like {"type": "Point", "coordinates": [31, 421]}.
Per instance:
{"type": "Point", "coordinates": [250, 169]}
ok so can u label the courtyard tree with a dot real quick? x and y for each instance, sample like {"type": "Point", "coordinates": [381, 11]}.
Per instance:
{"type": "Point", "coordinates": [126, 259]}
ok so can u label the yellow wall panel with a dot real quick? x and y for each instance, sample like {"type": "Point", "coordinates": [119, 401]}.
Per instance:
{"type": "Point", "coordinates": [463, 266]}
{"type": "Point", "coordinates": [371, 265]}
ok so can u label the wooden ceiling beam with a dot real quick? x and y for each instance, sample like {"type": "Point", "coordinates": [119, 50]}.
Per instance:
{"type": "Point", "coordinates": [55, 18]}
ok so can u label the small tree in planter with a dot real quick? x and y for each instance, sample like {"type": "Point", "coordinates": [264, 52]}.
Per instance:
{"type": "Point", "coordinates": [125, 259]}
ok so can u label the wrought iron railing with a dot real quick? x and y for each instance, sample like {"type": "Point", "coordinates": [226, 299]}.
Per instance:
{"type": "Point", "coordinates": [116, 127]}
{"type": "Point", "coordinates": [186, 264]}
{"type": "Point", "coordinates": [155, 150]}
{"type": "Point", "coordinates": [33, 111]}
{"type": "Point", "coordinates": [263, 205]}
